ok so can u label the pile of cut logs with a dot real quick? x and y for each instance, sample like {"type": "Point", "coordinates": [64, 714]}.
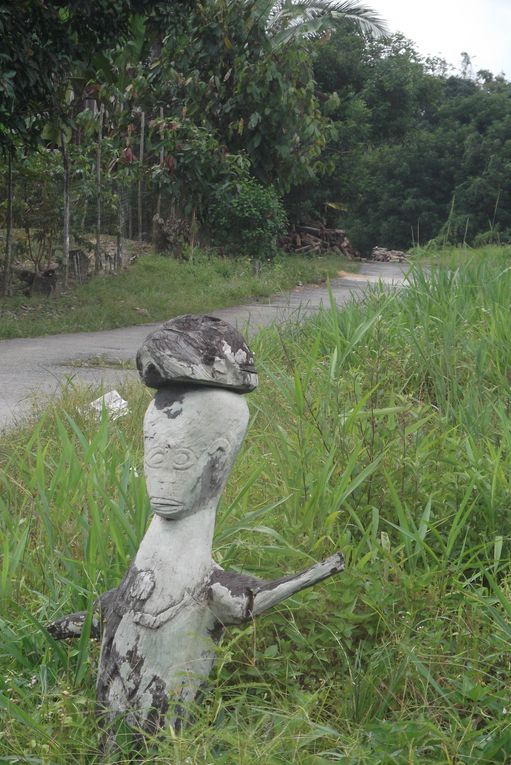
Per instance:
{"type": "Point", "coordinates": [318, 239]}
{"type": "Point", "coordinates": [382, 255]}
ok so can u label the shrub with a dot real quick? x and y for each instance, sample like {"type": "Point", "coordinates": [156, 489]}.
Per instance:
{"type": "Point", "coordinates": [249, 217]}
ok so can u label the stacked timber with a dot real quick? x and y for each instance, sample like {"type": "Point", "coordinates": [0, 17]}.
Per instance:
{"type": "Point", "coordinates": [382, 255]}
{"type": "Point", "coordinates": [318, 240]}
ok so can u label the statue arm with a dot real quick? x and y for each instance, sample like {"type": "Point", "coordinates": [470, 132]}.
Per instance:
{"type": "Point", "coordinates": [71, 625]}
{"type": "Point", "coordinates": [235, 598]}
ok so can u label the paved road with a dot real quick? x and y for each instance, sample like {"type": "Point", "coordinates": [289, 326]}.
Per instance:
{"type": "Point", "coordinates": [34, 368]}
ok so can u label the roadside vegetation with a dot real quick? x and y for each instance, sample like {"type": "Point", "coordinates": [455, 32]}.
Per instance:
{"type": "Point", "coordinates": [226, 124]}
{"type": "Point", "coordinates": [156, 288]}
{"type": "Point", "coordinates": [381, 430]}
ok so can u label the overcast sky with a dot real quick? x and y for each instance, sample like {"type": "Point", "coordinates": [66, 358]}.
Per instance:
{"type": "Point", "coordinates": [482, 28]}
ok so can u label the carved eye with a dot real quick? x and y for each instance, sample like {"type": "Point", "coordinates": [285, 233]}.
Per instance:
{"type": "Point", "coordinates": [182, 459]}
{"type": "Point", "coordinates": [155, 458]}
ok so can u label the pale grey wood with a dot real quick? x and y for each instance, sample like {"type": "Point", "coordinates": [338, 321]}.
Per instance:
{"type": "Point", "coordinates": [159, 638]}
{"type": "Point", "coordinates": [235, 598]}
{"type": "Point", "coordinates": [161, 626]}
{"type": "Point", "coordinates": [71, 625]}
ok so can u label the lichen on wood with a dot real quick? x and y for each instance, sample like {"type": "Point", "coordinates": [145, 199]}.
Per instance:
{"type": "Point", "coordinates": [160, 627]}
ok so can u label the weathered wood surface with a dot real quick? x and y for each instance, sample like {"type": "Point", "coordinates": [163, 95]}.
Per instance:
{"type": "Point", "coordinates": [161, 626]}
{"type": "Point", "coordinates": [197, 349]}
{"type": "Point", "coordinates": [157, 646]}
{"type": "Point", "coordinates": [319, 239]}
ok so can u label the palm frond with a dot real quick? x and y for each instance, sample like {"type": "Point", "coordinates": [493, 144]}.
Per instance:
{"type": "Point", "coordinates": [264, 10]}
{"type": "Point", "coordinates": [291, 20]}
{"type": "Point", "coordinates": [365, 17]}
{"type": "Point", "coordinates": [288, 21]}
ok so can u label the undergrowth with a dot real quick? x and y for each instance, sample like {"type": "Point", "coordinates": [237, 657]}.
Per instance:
{"type": "Point", "coordinates": [381, 430]}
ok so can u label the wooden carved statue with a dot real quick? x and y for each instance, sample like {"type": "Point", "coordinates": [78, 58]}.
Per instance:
{"type": "Point", "coordinates": [160, 627]}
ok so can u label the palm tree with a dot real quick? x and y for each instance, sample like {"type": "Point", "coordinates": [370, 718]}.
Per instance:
{"type": "Point", "coordinates": [289, 21]}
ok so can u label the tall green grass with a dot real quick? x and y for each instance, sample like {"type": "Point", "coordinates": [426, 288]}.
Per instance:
{"type": "Point", "coordinates": [381, 430]}
{"type": "Point", "coordinates": [156, 288]}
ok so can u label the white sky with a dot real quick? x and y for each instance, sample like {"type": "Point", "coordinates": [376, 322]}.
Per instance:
{"type": "Point", "coordinates": [482, 28]}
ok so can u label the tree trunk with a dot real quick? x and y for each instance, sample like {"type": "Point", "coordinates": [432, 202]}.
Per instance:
{"type": "Point", "coordinates": [162, 154]}
{"type": "Point", "coordinates": [97, 256]}
{"type": "Point", "coordinates": [140, 180]}
{"type": "Point", "coordinates": [9, 222]}
{"type": "Point", "coordinates": [119, 256]}
{"type": "Point", "coordinates": [130, 214]}
{"type": "Point", "coordinates": [67, 206]}
{"type": "Point", "coordinates": [157, 214]}
{"type": "Point", "coordinates": [193, 231]}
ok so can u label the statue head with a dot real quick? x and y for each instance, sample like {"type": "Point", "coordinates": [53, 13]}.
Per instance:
{"type": "Point", "coordinates": [194, 427]}
{"type": "Point", "coordinates": [191, 438]}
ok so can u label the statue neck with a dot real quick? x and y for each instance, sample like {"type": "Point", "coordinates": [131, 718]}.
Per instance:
{"type": "Point", "coordinates": [174, 549]}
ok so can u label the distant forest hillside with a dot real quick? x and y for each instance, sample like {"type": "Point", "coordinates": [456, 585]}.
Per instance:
{"type": "Point", "coordinates": [416, 152]}
{"type": "Point", "coordinates": [238, 118]}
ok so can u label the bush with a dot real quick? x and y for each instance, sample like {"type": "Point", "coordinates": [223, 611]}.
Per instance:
{"type": "Point", "coordinates": [249, 217]}
{"type": "Point", "coordinates": [493, 236]}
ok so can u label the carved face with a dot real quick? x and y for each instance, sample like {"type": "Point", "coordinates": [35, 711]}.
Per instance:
{"type": "Point", "coordinates": [191, 438]}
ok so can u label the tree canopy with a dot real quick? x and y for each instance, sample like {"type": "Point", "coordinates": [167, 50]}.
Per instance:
{"type": "Point", "coordinates": [416, 151]}
{"type": "Point", "coordinates": [42, 45]}
{"type": "Point", "coordinates": [306, 98]}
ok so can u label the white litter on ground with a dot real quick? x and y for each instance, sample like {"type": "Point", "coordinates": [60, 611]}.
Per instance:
{"type": "Point", "coordinates": [112, 402]}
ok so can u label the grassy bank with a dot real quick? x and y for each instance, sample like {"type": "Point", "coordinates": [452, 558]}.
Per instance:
{"type": "Point", "coordinates": [157, 288]}
{"type": "Point", "coordinates": [456, 256]}
{"type": "Point", "coordinates": [382, 431]}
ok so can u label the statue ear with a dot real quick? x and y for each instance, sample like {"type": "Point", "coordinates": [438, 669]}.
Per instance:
{"type": "Point", "coordinates": [218, 453]}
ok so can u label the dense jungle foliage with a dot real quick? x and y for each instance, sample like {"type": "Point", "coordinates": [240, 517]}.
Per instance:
{"type": "Point", "coordinates": [310, 115]}
{"type": "Point", "coordinates": [416, 151]}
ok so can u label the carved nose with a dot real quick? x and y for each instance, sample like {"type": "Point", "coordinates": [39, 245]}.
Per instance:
{"type": "Point", "coordinates": [170, 480]}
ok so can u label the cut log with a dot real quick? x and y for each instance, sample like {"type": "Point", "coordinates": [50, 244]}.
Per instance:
{"type": "Point", "coordinates": [382, 255]}
{"type": "Point", "coordinates": [318, 239]}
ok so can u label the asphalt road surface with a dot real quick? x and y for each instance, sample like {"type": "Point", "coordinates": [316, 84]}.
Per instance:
{"type": "Point", "coordinates": [31, 369]}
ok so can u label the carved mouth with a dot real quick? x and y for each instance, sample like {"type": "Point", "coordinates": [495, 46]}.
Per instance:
{"type": "Point", "coordinates": [160, 502]}
{"type": "Point", "coordinates": [168, 510]}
